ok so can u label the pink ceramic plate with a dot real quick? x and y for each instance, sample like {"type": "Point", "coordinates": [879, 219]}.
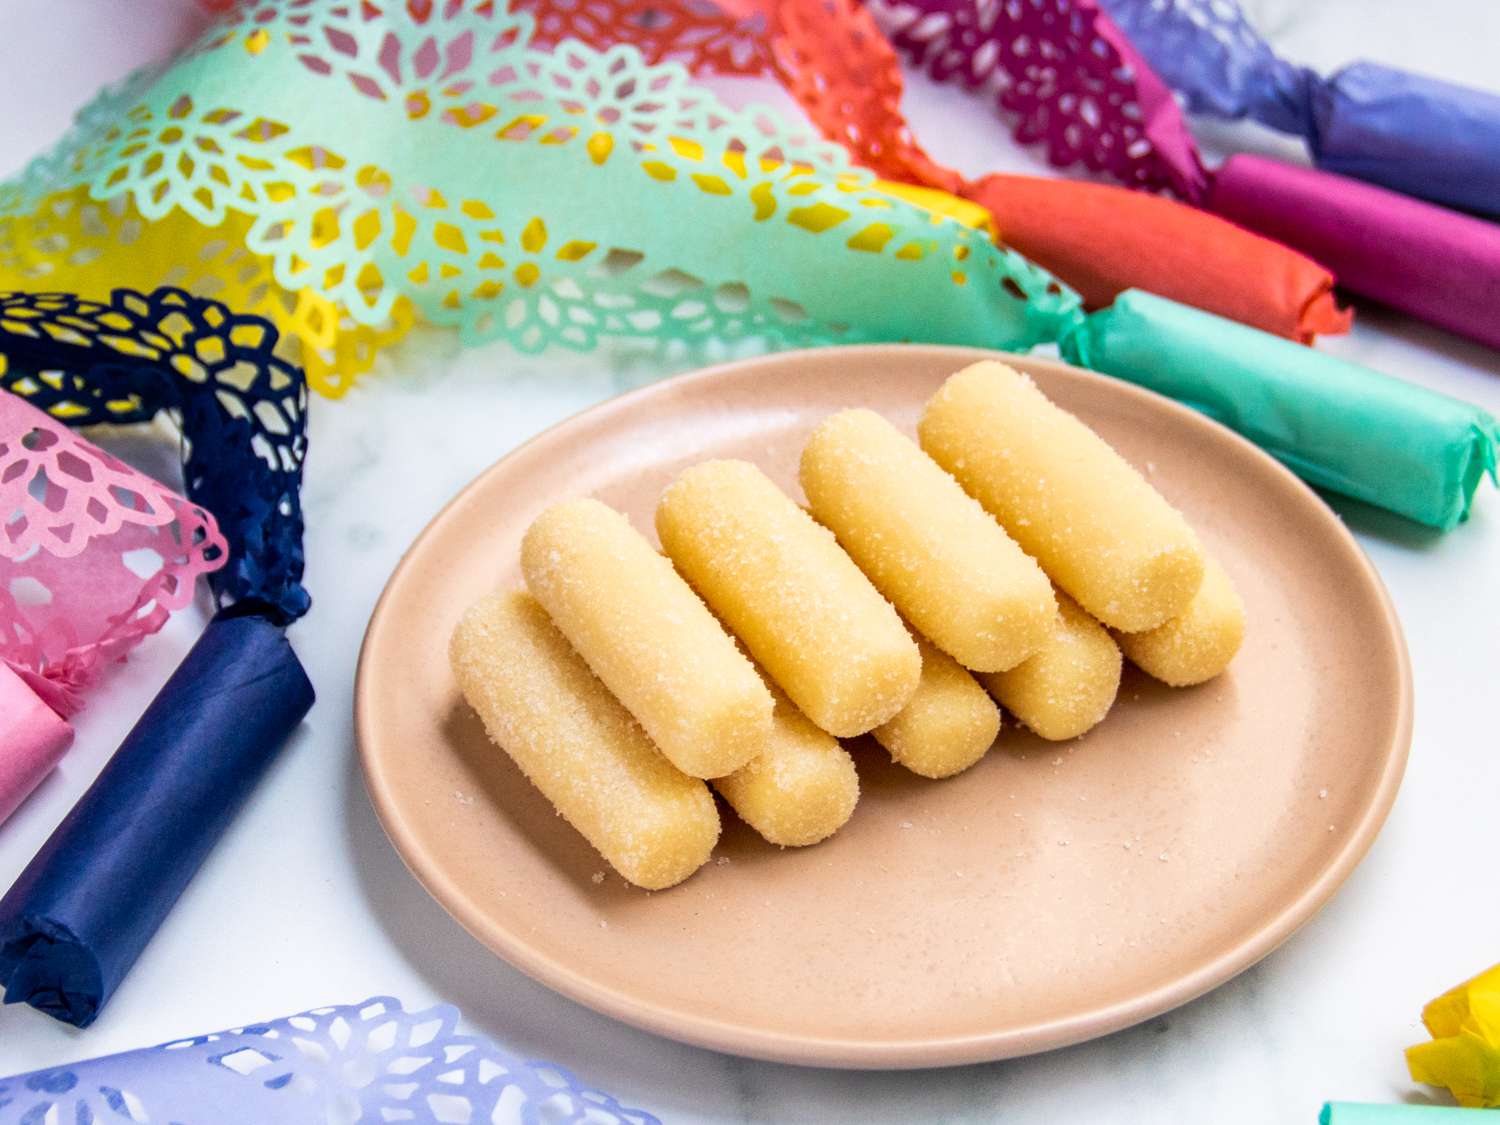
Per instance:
{"type": "Point", "coordinates": [1053, 893]}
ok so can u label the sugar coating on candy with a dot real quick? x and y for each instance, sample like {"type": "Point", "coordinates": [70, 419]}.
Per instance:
{"type": "Point", "coordinates": [577, 744]}
{"type": "Point", "coordinates": [925, 543]}
{"type": "Point", "coordinates": [785, 587]}
{"type": "Point", "coordinates": [644, 632]}
{"type": "Point", "coordinates": [948, 725]}
{"type": "Point", "coordinates": [1069, 686]}
{"type": "Point", "coordinates": [1098, 529]}
{"type": "Point", "coordinates": [801, 788]}
{"type": "Point", "coordinates": [1199, 642]}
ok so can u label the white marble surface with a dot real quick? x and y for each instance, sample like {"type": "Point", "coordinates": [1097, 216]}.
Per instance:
{"type": "Point", "coordinates": [306, 903]}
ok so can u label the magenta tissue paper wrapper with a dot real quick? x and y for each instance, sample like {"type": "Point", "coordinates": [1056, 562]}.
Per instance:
{"type": "Point", "coordinates": [1434, 263]}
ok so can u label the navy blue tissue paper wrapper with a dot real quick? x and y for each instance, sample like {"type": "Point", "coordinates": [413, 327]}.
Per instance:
{"type": "Point", "coordinates": [87, 904]}
{"type": "Point", "coordinates": [81, 913]}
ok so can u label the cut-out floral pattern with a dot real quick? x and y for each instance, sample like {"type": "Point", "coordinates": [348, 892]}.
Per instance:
{"type": "Point", "coordinates": [377, 163]}
{"type": "Point", "coordinates": [360, 1064]}
{"type": "Point", "coordinates": [241, 409]}
{"type": "Point", "coordinates": [94, 555]}
{"type": "Point", "coordinates": [1210, 53]}
{"type": "Point", "coordinates": [1063, 75]}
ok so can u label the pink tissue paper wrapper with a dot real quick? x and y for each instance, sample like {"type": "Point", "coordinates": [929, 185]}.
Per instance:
{"type": "Point", "coordinates": [94, 555]}
{"type": "Point", "coordinates": [32, 740]}
{"type": "Point", "coordinates": [1426, 260]}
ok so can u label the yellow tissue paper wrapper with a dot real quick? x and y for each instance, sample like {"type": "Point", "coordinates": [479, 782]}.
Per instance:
{"type": "Point", "coordinates": [1464, 1054]}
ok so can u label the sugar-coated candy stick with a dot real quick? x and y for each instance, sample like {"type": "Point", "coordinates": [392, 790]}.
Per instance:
{"type": "Point", "coordinates": [925, 543]}
{"type": "Point", "coordinates": [1069, 686]}
{"type": "Point", "coordinates": [1099, 530]}
{"type": "Point", "coordinates": [949, 723]}
{"type": "Point", "coordinates": [644, 632]}
{"type": "Point", "coordinates": [801, 788]}
{"type": "Point", "coordinates": [578, 745]}
{"type": "Point", "coordinates": [1199, 642]}
{"type": "Point", "coordinates": [785, 587]}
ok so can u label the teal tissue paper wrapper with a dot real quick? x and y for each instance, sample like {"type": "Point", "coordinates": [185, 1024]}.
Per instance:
{"type": "Point", "coordinates": [1336, 424]}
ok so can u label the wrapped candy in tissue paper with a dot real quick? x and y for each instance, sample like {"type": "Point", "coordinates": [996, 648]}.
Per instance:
{"type": "Point", "coordinates": [521, 173]}
{"type": "Point", "coordinates": [1415, 134]}
{"type": "Point", "coordinates": [1335, 424]}
{"type": "Point", "coordinates": [1373, 241]}
{"type": "Point", "coordinates": [84, 908]}
{"type": "Point", "coordinates": [832, 57]}
{"type": "Point", "coordinates": [1357, 1113]}
{"type": "Point", "coordinates": [94, 556]}
{"type": "Point", "coordinates": [1464, 1054]}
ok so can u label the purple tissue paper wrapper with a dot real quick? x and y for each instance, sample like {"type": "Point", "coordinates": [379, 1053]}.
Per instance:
{"type": "Point", "coordinates": [1425, 260]}
{"type": "Point", "coordinates": [1410, 132]}
{"type": "Point", "coordinates": [1416, 134]}
{"type": "Point", "coordinates": [86, 905]}
{"type": "Point", "coordinates": [370, 1062]}
{"type": "Point", "coordinates": [1209, 53]}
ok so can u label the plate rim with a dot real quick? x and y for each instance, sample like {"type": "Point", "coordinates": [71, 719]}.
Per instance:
{"type": "Point", "coordinates": [929, 1051]}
